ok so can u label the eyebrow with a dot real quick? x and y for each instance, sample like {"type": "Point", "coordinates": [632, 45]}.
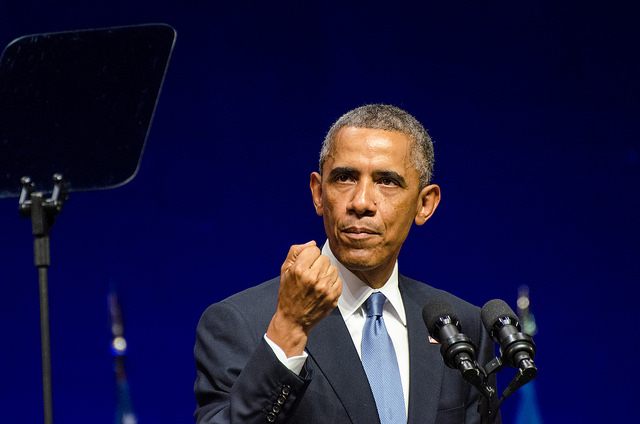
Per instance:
{"type": "Point", "coordinates": [392, 175]}
{"type": "Point", "coordinates": [342, 170]}
{"type": "Point", "coordinates": [383, 173]}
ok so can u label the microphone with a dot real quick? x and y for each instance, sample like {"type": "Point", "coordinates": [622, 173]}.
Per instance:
{"type": "Point", "coordinates": [517, 349]}
{"type": "Point", "coordinates": [457, 350]}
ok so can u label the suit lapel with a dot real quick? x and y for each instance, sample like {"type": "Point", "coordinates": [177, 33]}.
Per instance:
{"type": "Point", "coordinates": [426, 367]}
{"type": "Point", "coordinates": [332, 349]}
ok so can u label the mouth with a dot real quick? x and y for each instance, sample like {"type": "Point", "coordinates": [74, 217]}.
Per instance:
{"type": "Point", "coordinates": [359, 233]}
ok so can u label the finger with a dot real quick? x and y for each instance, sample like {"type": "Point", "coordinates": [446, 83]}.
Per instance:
{"type": "Point", "coordinates": [321, 265]}
{"type": "Point", "coordinates": [337, 288]}
{"type": "Point", "coordinates": [294, 252]}
{"type": "Point", "coordinates": [305, 260]}
{"type": "Point", "coordinates": [335, 291]}
{"type": "Point", "coordinates": [328, 279]}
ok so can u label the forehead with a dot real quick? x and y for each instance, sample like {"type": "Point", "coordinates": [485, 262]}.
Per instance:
{"type": "Point", "coordinates": [371, 147]}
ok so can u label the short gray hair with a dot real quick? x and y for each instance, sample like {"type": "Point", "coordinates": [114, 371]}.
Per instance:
{"type": "Point", "coordinates": [389, 118]}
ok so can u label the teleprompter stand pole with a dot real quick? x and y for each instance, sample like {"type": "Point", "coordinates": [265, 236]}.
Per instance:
{"type": "Point", "coordinates": [42, 213]}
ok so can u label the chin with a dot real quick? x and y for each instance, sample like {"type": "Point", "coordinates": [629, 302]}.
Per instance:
{"type": "Point", "coordinates": [357, 260]}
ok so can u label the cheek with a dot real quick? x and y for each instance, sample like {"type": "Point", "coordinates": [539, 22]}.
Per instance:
{"type": "Point", "coordinates": [399, 219]}
{"type": "Point", "coordinates": [329, 213]}
{"type": "Point", "coordinates": [331, 206]}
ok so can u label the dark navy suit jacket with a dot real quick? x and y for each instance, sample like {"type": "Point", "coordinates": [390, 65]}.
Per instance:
{"type": "Point", "coordinates": [240, 380]}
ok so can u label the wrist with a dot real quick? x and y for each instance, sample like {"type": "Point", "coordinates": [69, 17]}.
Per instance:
{"type": "Point", "coordinates": [288, 335]}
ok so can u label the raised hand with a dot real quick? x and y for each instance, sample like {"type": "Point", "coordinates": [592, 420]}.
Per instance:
{"type": "Point", "coordinates": [309, 291]}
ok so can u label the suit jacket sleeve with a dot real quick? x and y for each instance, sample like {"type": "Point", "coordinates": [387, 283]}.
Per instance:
{"type": "Point", "coordinates": [239, 378]}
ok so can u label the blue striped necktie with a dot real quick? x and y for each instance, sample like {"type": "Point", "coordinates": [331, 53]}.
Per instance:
{"type": "Point", "coordinates": [380, 363]}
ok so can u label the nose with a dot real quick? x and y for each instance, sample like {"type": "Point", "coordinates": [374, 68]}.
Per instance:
{"type": "Point", "coordinates": [363, 201]}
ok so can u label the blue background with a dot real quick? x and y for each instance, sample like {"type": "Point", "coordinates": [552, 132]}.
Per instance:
{"type": "Point", "coordinates": [533, 107]}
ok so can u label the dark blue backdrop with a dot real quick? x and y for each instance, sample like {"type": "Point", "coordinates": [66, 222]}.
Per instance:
{"type": "Point", "coordinates": [534, 111]}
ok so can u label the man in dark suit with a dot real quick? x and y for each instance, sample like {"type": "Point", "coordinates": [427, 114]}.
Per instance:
{"type": "Point", "coordinates": [293, 349]}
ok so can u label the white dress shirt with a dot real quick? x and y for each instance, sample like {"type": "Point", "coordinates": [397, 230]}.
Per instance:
{"type": "Point", "coordinates": [350, 305]}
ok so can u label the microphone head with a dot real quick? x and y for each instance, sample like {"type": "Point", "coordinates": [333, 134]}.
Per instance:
{"type": "Point", "coordinates": [435, 313]}
{"type": "Point", "coordinates": [501, 323]}
{"type": "Point", "coordinates": [494, 312]}
{"type": "Point", "coordinates": [457, 350]}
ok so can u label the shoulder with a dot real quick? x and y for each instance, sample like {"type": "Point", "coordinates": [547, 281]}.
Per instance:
{"type": "Point", "coordinates": [253, 305]}
{"type": "Point", "coordinates": [421, 294]}
{"type": "Point", "coordinates": [415, 287]}
{"type": "Point", "coordinates": [261, 294]}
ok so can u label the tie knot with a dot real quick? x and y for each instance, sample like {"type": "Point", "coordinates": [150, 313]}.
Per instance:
{"type": "Point", "coordinates": [374, 304]}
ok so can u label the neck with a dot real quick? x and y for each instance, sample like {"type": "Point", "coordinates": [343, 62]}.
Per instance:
{"type": "Point", "coordinates": [374, 278]}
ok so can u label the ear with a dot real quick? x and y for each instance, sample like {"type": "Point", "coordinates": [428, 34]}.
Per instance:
{"type": "Point", "coordinates": [316, 191]}
{"type": "Point", "coordinates": [428, 201]}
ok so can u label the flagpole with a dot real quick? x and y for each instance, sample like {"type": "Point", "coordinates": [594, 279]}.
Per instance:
{"type": "Point", "coordinates": [528, 411]}
{"type": "Point", "coordinates": [124, 412]}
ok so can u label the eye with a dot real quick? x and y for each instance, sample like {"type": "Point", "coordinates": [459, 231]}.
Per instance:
{"type": "Point", "coordinates": [388, 182]}
{"type": "Point", "coordinates": [343, 178]}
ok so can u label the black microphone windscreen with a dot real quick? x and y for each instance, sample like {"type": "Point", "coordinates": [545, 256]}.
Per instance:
{"type": "Point", "coordinates": [495, 309]}
{"type": "Point", "coordinates": [435, 309]}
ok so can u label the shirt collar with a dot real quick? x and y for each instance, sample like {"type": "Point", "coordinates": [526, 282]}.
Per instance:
{"type": "Point", "coordinates": [355, 291]}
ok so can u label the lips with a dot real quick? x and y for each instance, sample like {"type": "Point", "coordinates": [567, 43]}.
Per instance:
{"type": "Point", "coordinates": [358, 232]}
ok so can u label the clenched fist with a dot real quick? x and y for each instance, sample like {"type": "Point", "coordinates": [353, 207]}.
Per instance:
{"type": "Point", "coordinates": [309, 290]}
